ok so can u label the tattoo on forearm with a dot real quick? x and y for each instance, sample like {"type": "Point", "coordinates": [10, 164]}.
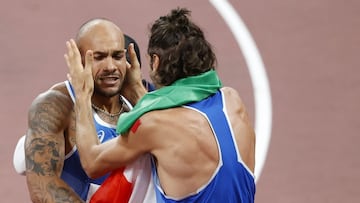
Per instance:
{"type": "Point", "coordinates": [62, 194]}
{"type": "Point", "coordinates": [44, 191]}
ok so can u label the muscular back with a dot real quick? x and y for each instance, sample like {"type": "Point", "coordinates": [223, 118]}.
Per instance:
{"type": "Point", "coordinates": [50, 135]}
{"type": "Point", "coordinates": [186, 149]}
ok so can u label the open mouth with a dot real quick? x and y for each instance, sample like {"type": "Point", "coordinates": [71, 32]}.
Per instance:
{"type": "Point", "coordinates": [109, 79]}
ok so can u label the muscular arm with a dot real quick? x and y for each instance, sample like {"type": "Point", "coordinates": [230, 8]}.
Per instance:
{"type": "Point", "coordinates": [45, 148]}
{"type": "Point", "coordinates": [244, 132]}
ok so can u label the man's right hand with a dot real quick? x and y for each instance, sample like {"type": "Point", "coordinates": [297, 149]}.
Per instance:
{"type": "Point", "coordinates": [80, 78]}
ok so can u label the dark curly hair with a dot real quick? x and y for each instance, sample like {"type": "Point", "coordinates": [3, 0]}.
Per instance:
{"type": "Point", "coordinates": [181, 46]}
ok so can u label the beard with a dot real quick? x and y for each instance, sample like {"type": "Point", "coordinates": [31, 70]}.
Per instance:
{"type": "Point", "coordinates": [107, 92]}
{"type": "Point", "coordinates": [105, 89]}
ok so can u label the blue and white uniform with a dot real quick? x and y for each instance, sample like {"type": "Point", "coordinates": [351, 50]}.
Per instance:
{"type": "Point", "coordinates": [137, 174]}
{"type": "Point", "coordinates": [232, 181]}
{"type": "Point", "coordinates": [73, 173]}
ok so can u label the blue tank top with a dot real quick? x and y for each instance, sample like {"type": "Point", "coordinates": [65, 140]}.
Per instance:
{"type": "Point", "coordinates": [73, 173]}
{"type": "Point", "coordinates": [232, 182]}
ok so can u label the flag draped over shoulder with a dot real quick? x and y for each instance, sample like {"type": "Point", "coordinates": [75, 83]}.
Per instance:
{"type": "Point", "coordinates": [182, 91]}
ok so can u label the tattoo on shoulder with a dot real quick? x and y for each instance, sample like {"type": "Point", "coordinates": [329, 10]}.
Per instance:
{"type": "Point", "coordinates": [49, 113]}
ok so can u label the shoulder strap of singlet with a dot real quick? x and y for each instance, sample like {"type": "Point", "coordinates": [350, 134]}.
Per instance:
{"type": "Point", "coordinates": [126, 102]}
{"type": "Point", "coordinates": [70, 90]}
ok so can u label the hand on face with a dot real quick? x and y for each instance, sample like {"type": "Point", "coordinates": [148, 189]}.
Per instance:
{"type": "Point", "coordinates": [80, 78]}
{"type": "Point", "coordinates": [133, 72]}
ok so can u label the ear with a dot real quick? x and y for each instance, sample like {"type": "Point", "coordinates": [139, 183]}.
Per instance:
{"type": "Point", "coordinates": [155, 61]}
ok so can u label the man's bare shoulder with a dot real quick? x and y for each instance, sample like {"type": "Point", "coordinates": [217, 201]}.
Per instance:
{"type": "Point", "coordinates": [152, 119]}
{"type": "Point", "coordinates": [57, 92]}
{"type": "Point", "coordinates": [160, 117]}
{"type": "Point", "coordinates": [232, 96]}
{"type": "Point", "coordinates": [160, 122]}
{"type": "Point", "coordinates": [54, 105]}
{"type": "Point", "coordinates": [61, 87]}
{"type": "Point", "coordinates": [231, 93]}
{"type": "Point", "coordinates": [155, 122]}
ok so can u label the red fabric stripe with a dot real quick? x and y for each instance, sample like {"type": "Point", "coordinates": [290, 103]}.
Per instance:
{"type": "Point", "coordinates": [115, 189]}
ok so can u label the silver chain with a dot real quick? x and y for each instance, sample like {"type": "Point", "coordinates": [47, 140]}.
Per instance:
{"type": "Point", "coordinates": [107, 113]}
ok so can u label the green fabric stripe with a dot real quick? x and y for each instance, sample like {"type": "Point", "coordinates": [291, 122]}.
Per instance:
{"type": "Point", "coordinates": [182, 91]}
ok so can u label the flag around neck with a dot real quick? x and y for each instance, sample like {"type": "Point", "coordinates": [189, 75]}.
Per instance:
{"type": "Point", "coordinates": [182, 91]}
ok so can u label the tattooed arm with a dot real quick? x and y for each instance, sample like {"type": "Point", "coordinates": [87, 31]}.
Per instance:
{"type": "Point", "coordinates": [48, 118]}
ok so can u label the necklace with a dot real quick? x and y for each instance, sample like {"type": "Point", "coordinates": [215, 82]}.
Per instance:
{"type": "Point", "coordinates": [107, 113]}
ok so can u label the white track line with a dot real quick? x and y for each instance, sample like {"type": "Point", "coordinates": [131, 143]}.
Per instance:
{"type": "Point", "coordinates": [261, 88]}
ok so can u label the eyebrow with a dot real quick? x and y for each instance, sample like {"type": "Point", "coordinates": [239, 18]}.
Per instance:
{"type": "Point", "coordinates": [119, 51]}
{"type": "Point", "coordinates": [112, 52]}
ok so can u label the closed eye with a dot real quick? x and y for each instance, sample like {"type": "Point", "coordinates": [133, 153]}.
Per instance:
{"type": "Point", "coordinates": [98, 56]}
{"type": "Point", "coordinates": [118, 55]}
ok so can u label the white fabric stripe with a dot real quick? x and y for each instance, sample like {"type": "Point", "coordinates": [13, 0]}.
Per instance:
{"type": "Point", "coordinates": [261, 85]}
{"type": "Point", "coordinates": [239, 158]}
{"type": "Point", "coordinates": [68, 87]}
{"type": "Point", "coordinates": [102, 122]}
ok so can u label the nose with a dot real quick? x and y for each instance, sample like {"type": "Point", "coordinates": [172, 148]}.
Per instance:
{"type": "Point", "coordinates": [110, 64]}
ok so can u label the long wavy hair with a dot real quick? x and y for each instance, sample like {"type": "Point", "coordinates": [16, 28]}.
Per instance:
{"type": "Point", "coordinates": [181, 46]}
